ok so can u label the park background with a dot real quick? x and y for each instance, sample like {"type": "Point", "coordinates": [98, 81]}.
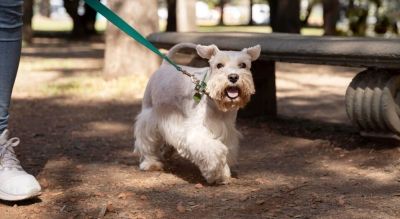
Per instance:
{"type": "Point", "coordinates": [79, 88]}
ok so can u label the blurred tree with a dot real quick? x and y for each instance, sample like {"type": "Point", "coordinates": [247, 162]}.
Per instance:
{"type": "Point", "coordinates": [251, 3]}
{"type": "Point", "coordinates": [171, 20]}
{"type": "Point", "coordinates": [186, 12]}
{"type": "Point", "coordinates": [222, 4]}
{"type": "Point", "coordinates": [331, 16]}
{"type": "Point", "coordinates": [357, 13]}
{"type": "Point", "coordinates": [83, 25]}
{"type": "Point", "coordinates": [285, 16]}
{"type": "Point", "coordinates": [27, 33]}
{"type": "Point", "coordinates": [45, 8]}
{"type": "Point", "coordinates": [181, 15]}
{"type": "Point", "coordinates": [388, 16]}
{"type": "Point", "coordinates": [310, 7]}
{"type": "Point", "coordinates": [122, 54]}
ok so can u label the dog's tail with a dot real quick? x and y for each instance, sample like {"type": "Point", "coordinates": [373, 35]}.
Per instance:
{"type": "Point", "coordinates": [180, 47]}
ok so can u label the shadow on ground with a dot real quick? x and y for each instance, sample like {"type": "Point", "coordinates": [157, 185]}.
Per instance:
{"type": "Point", "coordinates": [82, 153]}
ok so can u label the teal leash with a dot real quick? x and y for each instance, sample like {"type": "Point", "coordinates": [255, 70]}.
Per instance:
{"type": "Point", "coordinates": [200, 86]}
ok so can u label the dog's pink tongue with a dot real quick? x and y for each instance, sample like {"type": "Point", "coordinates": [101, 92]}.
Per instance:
{"type": "Point", "coordinates": [232, 92]}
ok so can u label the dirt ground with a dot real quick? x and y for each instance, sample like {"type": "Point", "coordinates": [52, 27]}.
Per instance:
{"type": "Point", "coordinates": [76, 132]}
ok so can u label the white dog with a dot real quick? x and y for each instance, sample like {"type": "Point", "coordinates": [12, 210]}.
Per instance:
{"type": "Point", "coordinates": [202, 132]}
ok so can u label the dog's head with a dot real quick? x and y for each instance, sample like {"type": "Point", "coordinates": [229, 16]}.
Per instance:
{"type": "Point", "coordinates": [230, 83]}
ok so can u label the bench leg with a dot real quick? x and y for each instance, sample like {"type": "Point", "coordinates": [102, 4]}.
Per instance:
{"type": "Point", "coordinates": [372, 103]}
{"type": "Point", "coordinates": [263, 103]}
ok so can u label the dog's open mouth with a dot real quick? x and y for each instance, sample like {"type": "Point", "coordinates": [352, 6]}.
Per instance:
{"type": "Point", "coordinates": [232, 92]}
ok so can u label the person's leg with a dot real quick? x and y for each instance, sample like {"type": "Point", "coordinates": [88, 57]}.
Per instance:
{"type": "Point", "coordinates": [10, 52]}
{"type": "Point", "coordinates": [15, 183]}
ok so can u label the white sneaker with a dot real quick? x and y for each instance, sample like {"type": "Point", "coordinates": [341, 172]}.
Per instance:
{"type": "Point", "coordinates": [15, 183]}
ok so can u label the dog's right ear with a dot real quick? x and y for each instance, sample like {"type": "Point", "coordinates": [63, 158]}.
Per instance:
{"type": "Point", "coordinates": [206, 52]}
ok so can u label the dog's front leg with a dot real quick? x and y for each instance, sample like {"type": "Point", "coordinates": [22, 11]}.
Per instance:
{"type": "Point", "coordinates": [210, 156]}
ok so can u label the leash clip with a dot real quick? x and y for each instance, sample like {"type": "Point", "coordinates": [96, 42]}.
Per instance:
{"type": "Point", "coordinates": [200, 89]}
{"type": "Point", "coordinates": [200, 86]}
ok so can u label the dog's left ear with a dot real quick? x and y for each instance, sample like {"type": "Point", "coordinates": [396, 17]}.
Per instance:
{"type": "Point", "coordinates": [206, 52]}
{"type": "Point", "coordinates": [254, 52]}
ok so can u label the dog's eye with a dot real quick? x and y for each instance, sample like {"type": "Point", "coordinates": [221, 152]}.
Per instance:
{"type": "Point", "coordinates": [242, 65]}
{"type": "Point", "coordinates": [220, 65]}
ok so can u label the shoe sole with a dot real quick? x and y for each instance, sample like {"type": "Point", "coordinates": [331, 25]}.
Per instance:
{"type": "Point", "coordinates": [8, 197]}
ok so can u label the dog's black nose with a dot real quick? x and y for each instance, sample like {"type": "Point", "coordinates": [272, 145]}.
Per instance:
{"type": "Point", "coordinates": [233, 78]}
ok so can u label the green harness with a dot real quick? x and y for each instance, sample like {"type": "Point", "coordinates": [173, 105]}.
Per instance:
{"type": "Point", "coordinates": [200, 86]}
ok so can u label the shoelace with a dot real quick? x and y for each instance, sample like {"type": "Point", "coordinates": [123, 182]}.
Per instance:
{"type": "Point", "coordinates": [7, 154]}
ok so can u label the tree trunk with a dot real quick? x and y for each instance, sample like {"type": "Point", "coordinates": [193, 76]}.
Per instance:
{"type": "Point", "coordinates": [331, 16]}
{"type": "Point", "coordinates": [45, 8]}
{"type": "Point", "coordinates": [90, 20]}
{"type": "Point", "coordinates": [285, 16]}
{"type": "Point", "coordinates": [171, 20]}
{"type": "Point", "coordinates": [186, 12]}
{"type": "Point", "coordinates": [123, 55]}
{"type": "Point", "coordinates": [181, 15]}
{"type": "Point", "coordinates": [310, 8]}
{"type": "Point", "coordinates": [251, 3]}
{"type": "Point", "coordinates": [78, 29]}
{"type": "Point", "coordinates": [27, 20]}
{"type": "Point", "coordinates": [83, 25]}
{"type": "Point", "coordinates": [222, 6]}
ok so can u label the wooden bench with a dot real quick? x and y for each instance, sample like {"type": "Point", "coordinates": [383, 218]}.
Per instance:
{"type": "Point", "coordinates": [371, 98]}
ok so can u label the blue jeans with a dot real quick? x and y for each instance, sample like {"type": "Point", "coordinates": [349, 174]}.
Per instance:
{"type": "Point", "coordinates": [10, 52]}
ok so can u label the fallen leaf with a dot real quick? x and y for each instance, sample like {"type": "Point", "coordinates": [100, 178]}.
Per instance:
{"type": "Point", "coordinates": [180, 207]}
{"type": "Point", "coordinates": [341, 200]}
{"type": "Point", "coordinates": [260, 202]}
{"type": "Point", "coordinates": [243, 198]}
{"type": "Point", "coordinates": [160, 214]}
{"type": "Point", "coordinates": [103, 211]}
{"type": "Point", "coordinates": [110, 207]}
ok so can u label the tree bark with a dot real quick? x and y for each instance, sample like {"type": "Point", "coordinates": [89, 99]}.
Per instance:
{"type": "Point", "coordinates": [310, 8]}
{"type": "Point", "coordinates": [222, 6]}
{"type": "Point", "coordinates": [186, 12]}
{"type": "Point", "coordinates": [181, 15]}
{"type": "Point", "coordinates": [285, 16]}
{"type": "Point", "coordinates": [123, 55]}
{"type": "Point", "coordinates": [27, 33]}
{"type": "Point", "coordinates": [90, 20]}
{"type": "Point", "coordinates": [331, 16]}
{"type": "Point", "coordinates": [78, 29]}
{"type": "Point", "coordinates": [45, 8]}
{"type": "Point", "coordinates": [83, 25]}
{"type": "Point", "coordinates": [251, 3]}
{"type": "Point", "coordinates": [171, 20]}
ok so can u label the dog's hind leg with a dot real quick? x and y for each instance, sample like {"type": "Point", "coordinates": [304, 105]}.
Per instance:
{"type": "Point", "coordinates": [148, 141]}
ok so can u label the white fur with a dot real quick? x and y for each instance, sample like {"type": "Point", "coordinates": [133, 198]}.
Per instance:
{"type": "Point", "coordinates": [202, 132]}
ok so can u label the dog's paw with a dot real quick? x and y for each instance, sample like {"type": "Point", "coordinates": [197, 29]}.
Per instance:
{"type": "Point", "coordinates": [220, 176]}
{"type": "Point", "coordinates": [151, 165]}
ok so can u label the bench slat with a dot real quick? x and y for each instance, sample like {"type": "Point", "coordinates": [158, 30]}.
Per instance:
{"type": "Point", "coordinates": [343, 51]}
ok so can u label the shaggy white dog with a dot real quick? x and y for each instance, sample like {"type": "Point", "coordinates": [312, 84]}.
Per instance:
{"type": "Point", "coordinates": [202, 132]}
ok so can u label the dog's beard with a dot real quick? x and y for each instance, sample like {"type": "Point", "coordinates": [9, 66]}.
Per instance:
{"type": "Point", "coordinates": [229, 97]}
